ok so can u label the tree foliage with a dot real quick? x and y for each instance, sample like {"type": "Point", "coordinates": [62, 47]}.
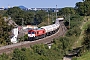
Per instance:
{"type": "Point", "coordinates": [86, 41]}
{"type": "Point", "coordinates": [40, 16]}
{"type": "Point", "coordinates": [29, 17]}
{"type": "Point", "coordinates": [20, 15]}
{"type": "Point", "coordinates": [4, 32]}
{"type": "Point", "coordinates": [67, 10]}
{"type": "Point", "coordinates": [61, 45]}
{"type": "Point", "coordinates": [74, 32]}
{"type": "Point", "coordinates": [83, 8]}
{"type": "Point", "coordinates": [18, 55]}
{"type": "Point", "coordinates": [4, 57]}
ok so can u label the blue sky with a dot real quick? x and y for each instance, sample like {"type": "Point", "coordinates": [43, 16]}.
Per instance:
{"type": "Point", "coordinates": [39, 3]}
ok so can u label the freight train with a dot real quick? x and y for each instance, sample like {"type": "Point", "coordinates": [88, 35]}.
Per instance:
{"type": "Point", "coordinates": [34, 34]}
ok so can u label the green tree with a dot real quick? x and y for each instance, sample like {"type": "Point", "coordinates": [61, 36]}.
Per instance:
{"type": "Point", "coordinates": [18, 55]}
{"type": "Point", "coordinates": [3, 12]}
{"type": "Point", "coordinates": [40, 49]}
{"type": "Point", "coordinates": [83, 8]}
{"type": "Point", "coordinates": [40, 16]}
{"type": "Point", "coordinates": [16, 13]}
{"type": "Point", "coordinates": [28, 17]}
{"type": "Point", "coordinates": [66, 11]}
{"type": "Point", "coordinates": [4, 32]}
{"type": "Point", "coordinates": [74, 32]}
{"type": "Point", "coordinates": [4, 57]}
{"type": "Point", "coordinates": [86, 41]}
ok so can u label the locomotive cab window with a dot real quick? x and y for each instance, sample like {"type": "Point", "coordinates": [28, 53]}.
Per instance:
{"type": "Point", "coordinates": [32, 32]}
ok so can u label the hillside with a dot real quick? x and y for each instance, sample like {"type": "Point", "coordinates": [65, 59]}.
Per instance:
{"type": "Point", "coordinates": [85, 56]}
{"type": "Point", "coordinates": [82, 27]}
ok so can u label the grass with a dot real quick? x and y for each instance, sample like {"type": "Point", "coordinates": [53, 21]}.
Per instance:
{"type": "Point", "coordinates": [85, 56]}
{"type": "Point", "coordinates": [83, 27]}
{"type": "Point", "coordinates": [87, 22]}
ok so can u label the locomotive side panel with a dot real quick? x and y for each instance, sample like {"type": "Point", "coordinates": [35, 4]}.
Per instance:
{"type": "Point", "coordinates": [40, 32]}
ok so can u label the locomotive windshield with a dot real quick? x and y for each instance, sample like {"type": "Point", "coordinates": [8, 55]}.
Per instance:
{"type": "Point", "coordinates": [31, 33]}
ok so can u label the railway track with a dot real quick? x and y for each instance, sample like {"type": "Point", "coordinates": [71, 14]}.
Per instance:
{"type": "Point", "coordinates": [10, 48]}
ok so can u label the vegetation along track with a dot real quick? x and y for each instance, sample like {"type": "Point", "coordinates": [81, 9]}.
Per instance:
{"type": "Point", "coordinates": [10, 48]}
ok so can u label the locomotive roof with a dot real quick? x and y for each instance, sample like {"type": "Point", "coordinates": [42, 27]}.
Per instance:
{"type": "Point", "coordinates": [36, 29]}
{"type": "Point", "coordinates": [59, 18]}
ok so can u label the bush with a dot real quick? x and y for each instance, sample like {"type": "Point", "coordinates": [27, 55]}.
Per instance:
{"type": "Point", "coordinates": [75, 31]}
{"type": "Point", "coordinates": [74, 58]}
